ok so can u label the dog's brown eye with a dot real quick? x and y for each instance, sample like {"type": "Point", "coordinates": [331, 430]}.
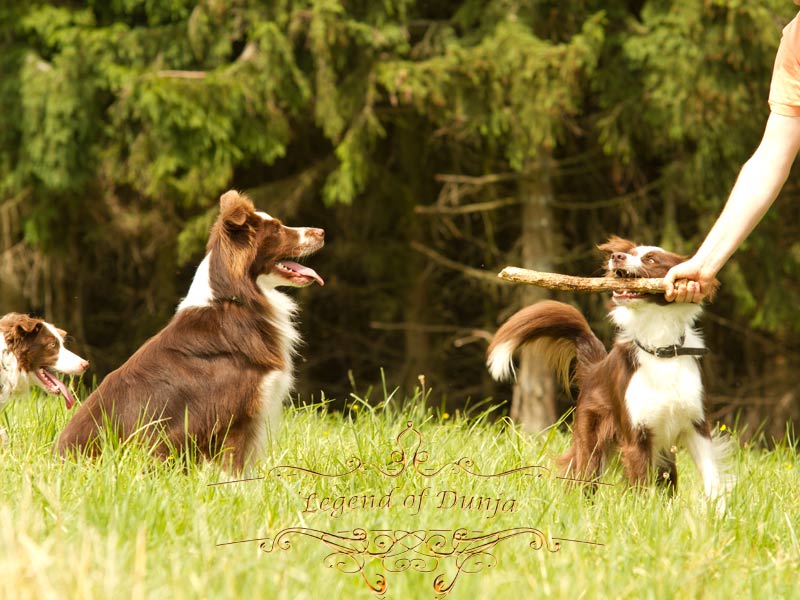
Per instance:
{"type": "Point", "coordinates": [651, 260]}
{"type": "Point", "coordinates": [52, 345]}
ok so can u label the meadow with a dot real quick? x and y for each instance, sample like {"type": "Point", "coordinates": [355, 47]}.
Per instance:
{"type": "Point", "coordinates": [393, 498]}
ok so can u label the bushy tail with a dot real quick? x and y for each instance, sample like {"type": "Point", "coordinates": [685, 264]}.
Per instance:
{"type": "Point", "coordinates": [556, 331]}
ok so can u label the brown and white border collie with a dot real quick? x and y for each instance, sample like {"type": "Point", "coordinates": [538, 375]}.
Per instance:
{"type": "Point", "coordinates": [214, 379]}
{"type": "Point", "coordinates": [645, 396]}
{"type": "Point", "coordinates": [32, 350]}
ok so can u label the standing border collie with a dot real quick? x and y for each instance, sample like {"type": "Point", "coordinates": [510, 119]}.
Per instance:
{"type": "Point", "coordinates": [32, 350]}
{"type": "Point", "coordinates": [214, 379]}
{"type": "Point", "coordinates": [645, 396]}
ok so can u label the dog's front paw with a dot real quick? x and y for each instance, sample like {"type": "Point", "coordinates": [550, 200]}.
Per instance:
{"type": "Point", "coordinates": [717, 493]}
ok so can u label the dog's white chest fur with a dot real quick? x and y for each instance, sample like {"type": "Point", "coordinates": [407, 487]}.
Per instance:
{"type": "Point", "coordinates": [665, 395]}
{"type": "Point", "coordinates": [9, 372]}
{"type": "Point", "coordinates": [276, 385]}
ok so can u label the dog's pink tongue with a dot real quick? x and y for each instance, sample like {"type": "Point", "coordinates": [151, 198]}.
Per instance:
{"type": "Point", "coordinates": [303, 270]}
{"type": "Point", "coordinates": [68, 397]}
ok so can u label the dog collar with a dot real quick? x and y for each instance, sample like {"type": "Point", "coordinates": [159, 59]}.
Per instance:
{"type": "Point", "coordinates": [674, 350]}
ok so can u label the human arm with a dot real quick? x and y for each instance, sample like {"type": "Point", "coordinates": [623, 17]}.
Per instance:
{"type": "Point", "coordinates": [756, 188]}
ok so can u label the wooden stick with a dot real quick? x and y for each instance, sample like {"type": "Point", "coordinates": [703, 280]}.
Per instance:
{"type": "Point", "coordinates": [556, 281]}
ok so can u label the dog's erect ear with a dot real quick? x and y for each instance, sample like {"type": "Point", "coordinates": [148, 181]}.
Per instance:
{"type": "Point", "coordinates": [18, 327]}
{"type": "Point", "coordinates": [616, 244]}
{"type": "Point", "coordinates": [235, 208]}
{"type": "Point", "coordinates": [25, 326]}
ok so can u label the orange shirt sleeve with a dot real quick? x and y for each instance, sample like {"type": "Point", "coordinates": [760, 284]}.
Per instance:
{"type": "Point", "coordinates": [784, 91]}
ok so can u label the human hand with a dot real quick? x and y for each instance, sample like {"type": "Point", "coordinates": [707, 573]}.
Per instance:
{"type": "Point", "coordinates": [689, 282]}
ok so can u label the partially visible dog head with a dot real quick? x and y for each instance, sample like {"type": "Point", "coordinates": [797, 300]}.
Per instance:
{"type": "Point", "coordinates": [626, 259]}
{"type": "Point", "coordinates": [39, 351]}
{"type": "Point", "coordinates": [246, 243]}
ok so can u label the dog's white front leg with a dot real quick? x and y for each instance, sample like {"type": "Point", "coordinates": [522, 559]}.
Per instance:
{"type": "Point", "coordinates": [711, 455]}
{"type": "Point", "coordinates": [702, 450]}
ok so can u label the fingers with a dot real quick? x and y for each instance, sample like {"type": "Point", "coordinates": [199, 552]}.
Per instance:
{"type": "Point", "coordinates": [669, 289]}
{"type": "Point", "coordinates": [682, 284]}
{"type": "Point", "coordinates": [684, 291]}
{"type": "Point", "coordinates": [694, 292]}
{"type": "Point", "coordinates": [669, 286]}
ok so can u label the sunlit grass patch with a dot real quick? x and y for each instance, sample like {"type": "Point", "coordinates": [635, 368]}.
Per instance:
{"type": "Point", "coordinates": [129, 524]}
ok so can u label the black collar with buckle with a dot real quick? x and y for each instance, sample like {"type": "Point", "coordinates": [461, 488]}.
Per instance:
{"type": "Point", "coordinates": [674, 350]}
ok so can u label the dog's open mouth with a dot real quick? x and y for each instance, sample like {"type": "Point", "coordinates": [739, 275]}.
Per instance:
{"type": "Point", "coordinates": [54, 385]}
{"type": "Point", "coordinates": [625, 294]}
{"type": "Point", "coordinates": [298, 274]}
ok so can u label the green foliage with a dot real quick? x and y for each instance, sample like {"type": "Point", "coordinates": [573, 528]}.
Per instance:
{"type": "Point", "coordinates": [698, 66]}
{"type": "Point", "coordinates": [511, 88]}
{"type": "Point", "coordinates": [191, 241]}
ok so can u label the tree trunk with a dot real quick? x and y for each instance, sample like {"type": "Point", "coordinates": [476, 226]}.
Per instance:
{"type": "Point", "coordinates": [418, 359]}
{"type": "Point", "coordinates": [533, 401]}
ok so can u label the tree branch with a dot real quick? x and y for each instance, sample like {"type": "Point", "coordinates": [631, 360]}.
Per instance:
{"type": "Point", "coordinates": [436, 209]}
{"type": "Point", "coordinates": [423, 327]}
{"type": "Point", "coordinates": [247, 54]}
{"type": "Point", "coordinates": [486, 276]}
{"type": "Point", "coordinates": [170, 73]}
{"type": "Point", "coordinates": [482, 180]}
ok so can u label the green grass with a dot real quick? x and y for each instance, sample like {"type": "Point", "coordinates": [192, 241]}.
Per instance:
{"type": "Point", "coordinates": [127, 526]}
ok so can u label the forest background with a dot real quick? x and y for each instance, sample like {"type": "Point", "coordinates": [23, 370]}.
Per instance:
{"type": "Point", "coordinates": [434, 141]}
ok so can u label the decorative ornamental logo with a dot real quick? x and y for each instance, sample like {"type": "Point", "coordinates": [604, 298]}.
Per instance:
{"type": "Point", "coordinates": [419, 550]}
{"type": "Point", "coordinates": [399, 460]}
{"type": "Point", "coordinates": [372, 553]}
